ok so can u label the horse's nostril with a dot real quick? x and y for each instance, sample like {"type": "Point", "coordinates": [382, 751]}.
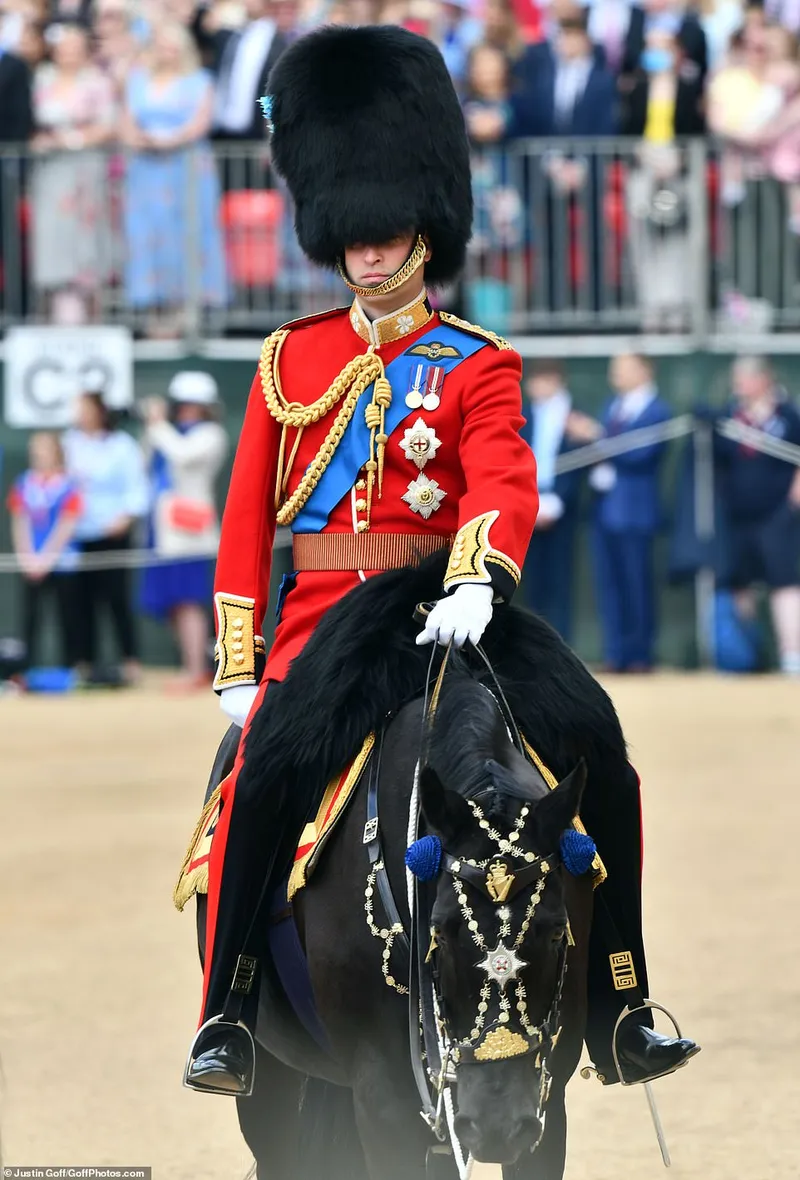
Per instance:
{"type": "Point", "coordinates": [466, 1129]}
{"type": "Point", "coordinates": [529, 1132]}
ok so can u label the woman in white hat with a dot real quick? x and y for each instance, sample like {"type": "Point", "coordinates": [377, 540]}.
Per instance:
{"type": "Point", "coordinates": [187, 447]}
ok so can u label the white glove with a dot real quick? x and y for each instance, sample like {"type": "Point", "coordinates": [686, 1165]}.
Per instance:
{"type": "Point", "coordinates": [237, 701]}
{"type": "Point", "coordinates": [462, 615]}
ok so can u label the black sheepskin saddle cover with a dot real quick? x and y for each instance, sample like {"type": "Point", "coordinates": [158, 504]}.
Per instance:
{"type": "Point", "coordinates": [362, 663]}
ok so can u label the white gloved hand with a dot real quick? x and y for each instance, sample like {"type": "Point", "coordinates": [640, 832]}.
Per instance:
{"type": "Point", "coordinates": [237, 701]}
{"type": "Point", "coordinates": [462, 615]}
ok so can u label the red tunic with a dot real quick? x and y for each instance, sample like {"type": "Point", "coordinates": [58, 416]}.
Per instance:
{"type": "Point", "coordinates": [485, 469]}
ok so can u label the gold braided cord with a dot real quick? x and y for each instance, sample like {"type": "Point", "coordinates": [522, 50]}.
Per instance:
{"type": "Point", "coordinates": [295, 413]}
{"type": "Point", "coordinates": [411, 265]}
{"type": "Point", "coordinates": [354, 378]}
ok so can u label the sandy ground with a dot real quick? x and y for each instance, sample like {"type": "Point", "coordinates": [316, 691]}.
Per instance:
{"type": "Point", "coordinates": [99, 983]}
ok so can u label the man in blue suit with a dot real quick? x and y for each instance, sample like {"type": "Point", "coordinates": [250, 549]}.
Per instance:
{"type": "Point", "coordinates": [552, 428]}
{"type": "Point", "coordinates": [627, 516]}
{"type": "Point", "coordinates": [570, 93]}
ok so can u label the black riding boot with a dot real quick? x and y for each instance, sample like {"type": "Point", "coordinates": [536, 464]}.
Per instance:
{"type": "Point", "coordinates": [617, 971]}
{"type": "Point", "coordinates": [222, 1060]}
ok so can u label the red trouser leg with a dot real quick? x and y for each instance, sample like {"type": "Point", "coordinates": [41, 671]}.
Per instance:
{"type": "Point", "coordinates": [218, 849]}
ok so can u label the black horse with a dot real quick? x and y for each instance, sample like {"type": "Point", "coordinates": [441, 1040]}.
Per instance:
{"type": "Point", "coordinates": [346, 1104]}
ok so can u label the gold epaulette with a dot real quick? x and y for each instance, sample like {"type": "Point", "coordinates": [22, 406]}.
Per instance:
{"type": "Point", "coordinates": [474, 330]}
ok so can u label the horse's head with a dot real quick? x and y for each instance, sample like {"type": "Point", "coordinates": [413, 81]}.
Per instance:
{"type": "Point", "coordinates": [499, 931]}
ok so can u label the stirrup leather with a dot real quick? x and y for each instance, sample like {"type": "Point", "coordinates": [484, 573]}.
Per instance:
{"type": "Point", "coordinates": [192, 1055]}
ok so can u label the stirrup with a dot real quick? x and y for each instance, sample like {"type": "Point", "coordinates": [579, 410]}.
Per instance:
{"type": "Point", "coordinates": [190, 1058]}
{"type": "Point", "coordinates": [623, 1016]}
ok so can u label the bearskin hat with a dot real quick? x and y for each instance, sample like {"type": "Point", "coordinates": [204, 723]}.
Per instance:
{"type": "Point", "coordinates": [369, 136]}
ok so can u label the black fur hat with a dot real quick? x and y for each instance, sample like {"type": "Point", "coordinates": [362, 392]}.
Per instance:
{"type": "Point", "coordinates": [368, 133]}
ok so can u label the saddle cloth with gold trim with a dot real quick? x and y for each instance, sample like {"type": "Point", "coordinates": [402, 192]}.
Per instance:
{"type": "Point", "coordinates": [193, 876]}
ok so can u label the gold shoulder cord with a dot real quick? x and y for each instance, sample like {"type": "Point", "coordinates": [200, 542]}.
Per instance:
{"type": "Point", "coordinates": [354, 378]}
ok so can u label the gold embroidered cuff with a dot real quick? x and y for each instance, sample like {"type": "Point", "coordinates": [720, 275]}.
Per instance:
{"type": "Point", "coordinates": [238, 647]}
{"type": "Point", "coordinates": [472, 559]}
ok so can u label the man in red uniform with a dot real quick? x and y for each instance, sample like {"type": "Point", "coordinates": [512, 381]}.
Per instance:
{"type": "Point", "coordinates": [379, 432]}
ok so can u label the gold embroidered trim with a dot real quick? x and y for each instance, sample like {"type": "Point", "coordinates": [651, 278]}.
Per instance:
{"type": "Point", "coordinates": [500, 1044]}
{"type": "Point", "coordinates": [471, 550]}
{"type": "Point", "coordinates": [386, 329]}
{"type": "Point", "coordinates": [186, 886]}
{"type": "Point", "coordinates": [598, 868]}
{"type": "Point", "coordinates": [237, 642]}
{"type": "Point", "coordinates": [316, 833]}
{"type": "Point", "coordinates": [474, 330]}
{"type": "Point", "coordinates": [411, 265]}
{"type": "Point", "coordinates": [623, 971]}
{"type": "Point", "coordinates": [354, 378]}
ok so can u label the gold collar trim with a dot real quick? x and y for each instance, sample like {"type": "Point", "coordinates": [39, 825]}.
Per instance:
{"type": "Point", "coordinates": [392, 327]}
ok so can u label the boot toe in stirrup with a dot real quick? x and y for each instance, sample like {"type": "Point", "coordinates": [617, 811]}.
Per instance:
{"type": "Point", "coordinates": [645, 1054]}
{"type": "Point", "coordinates": [221, 1060]}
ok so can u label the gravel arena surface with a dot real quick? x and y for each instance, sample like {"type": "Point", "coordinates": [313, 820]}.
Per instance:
{"type": "Point", "coordinates": [99, 982]}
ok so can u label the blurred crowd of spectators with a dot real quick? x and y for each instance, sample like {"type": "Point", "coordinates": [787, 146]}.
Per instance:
{"type": "Point", "coordinates": [92, 495]}
{"type": "Point", "coordinates": [109, 93]}
{"type": "Point", "coordinates": [756, 540]}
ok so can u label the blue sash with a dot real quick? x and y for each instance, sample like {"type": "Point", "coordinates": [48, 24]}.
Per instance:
{"type": "Point", "coordinates": [353, 451]}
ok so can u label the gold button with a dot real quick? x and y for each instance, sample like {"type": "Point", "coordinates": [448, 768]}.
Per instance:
{"type": "Point", "coordinates": [362, 526]}
{"type": "Point", "coordinates": [360, 505]}
{"type": "Point", "coordinates": [238, 624]}
{"type": "Point", "coordinates": [361, 485]}
{"type": "Point", "coordinates": [237, 647]}
{"type": "Point", "coordinates": [238, 659]}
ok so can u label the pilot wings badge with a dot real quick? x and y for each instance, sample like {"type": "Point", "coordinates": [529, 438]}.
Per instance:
{"type": "Point", "coordinates": [434, 351]}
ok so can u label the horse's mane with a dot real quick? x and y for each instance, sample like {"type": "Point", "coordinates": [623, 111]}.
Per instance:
{"type": "Point", "coordinates": [467, 737]}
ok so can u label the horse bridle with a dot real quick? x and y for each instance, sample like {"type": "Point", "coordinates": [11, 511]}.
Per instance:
{"type": "Point", "coordinates": [512, 1034]}
{"type": "Point", "coordinates": [507, 1037]}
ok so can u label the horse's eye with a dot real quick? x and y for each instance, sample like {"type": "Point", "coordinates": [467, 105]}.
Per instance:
{"type": "Point", "coordinates": [559, 934]}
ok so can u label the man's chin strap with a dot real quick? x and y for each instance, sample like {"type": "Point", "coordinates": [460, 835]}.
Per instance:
{"type": "Point", "coordinates": [415, 260]}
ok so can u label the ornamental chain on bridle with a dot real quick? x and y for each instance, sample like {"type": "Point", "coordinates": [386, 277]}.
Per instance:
{"type": "Point", "coordinates": [347, 388]}
{"type": "Point", "coordinates": [503, 965]}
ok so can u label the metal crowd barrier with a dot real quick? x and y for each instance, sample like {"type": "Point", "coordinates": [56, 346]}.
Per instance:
{"type": "Point", "coordinates": [569, 235]}
{"type": "Point", "coordinates": [603, 450]}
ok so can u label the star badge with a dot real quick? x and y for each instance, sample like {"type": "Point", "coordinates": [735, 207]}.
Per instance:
{"type": "Point", "coordinates": [503, 965]}
{"type": "Point", "coordinates": [420, 443]}
{"type": "Point", "coordinates": [424, 496]}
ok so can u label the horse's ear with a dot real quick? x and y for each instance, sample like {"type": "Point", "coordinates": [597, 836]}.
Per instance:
{"type": "Point", "coordinates": [556, 811]}
{"type": "Point", "coordinates": [445, 812]}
